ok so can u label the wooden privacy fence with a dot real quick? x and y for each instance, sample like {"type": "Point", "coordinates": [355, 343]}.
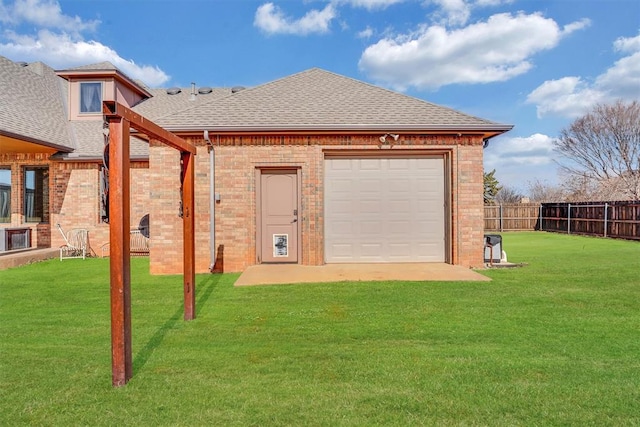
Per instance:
{"type": "Point", "coordinates": [512, 217]}
{"type": "Point", "coordinates": [619, 220]}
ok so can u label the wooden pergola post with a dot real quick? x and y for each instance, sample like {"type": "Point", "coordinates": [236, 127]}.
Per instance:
{"type": "Point", "coordinates": [120, 119]}
{"type": "Point", "coordinates": [188, 231]}
{"type": "Point", "coordinates": [119, 251]}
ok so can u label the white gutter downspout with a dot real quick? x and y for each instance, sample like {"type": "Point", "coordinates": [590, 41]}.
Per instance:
{"type": "Point", "coordinates": [212, 202]}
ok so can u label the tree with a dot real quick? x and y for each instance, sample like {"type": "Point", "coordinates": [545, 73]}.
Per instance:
{"type": "Point", "coordinates": [604, 146]}
{"type": "Point", "coordinates": [491, 187]}
{"type": "Point", "coordinates": [508, 195]}
{"type": "Point", "coordinates": [542, 192]}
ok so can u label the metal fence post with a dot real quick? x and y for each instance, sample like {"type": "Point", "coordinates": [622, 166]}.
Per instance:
{"type": "Point", "coordinates": [540, 216]}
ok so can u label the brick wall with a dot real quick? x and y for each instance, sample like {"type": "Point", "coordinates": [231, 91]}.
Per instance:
{"type": "Point", "coordinates": [77, 201]}
{"type": "Point", "coordinates": [75, 204]}
{"type": "Point", "coordinates": [165, 223]}
{"type": "Point", "coordinates": [74, 192]}
{"type": "Point", "coordinates": [468, 212]}
{"type": "Point", "coordinates": [238, 157]}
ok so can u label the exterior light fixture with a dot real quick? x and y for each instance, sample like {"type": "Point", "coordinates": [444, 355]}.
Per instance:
{"type": "Point", "coordinates": [384, 142]}
{"type": "Point", "coordinates": [383, 138]}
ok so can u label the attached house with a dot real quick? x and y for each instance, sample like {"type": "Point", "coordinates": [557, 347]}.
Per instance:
{"type": "Point", "coordinates": [51, 152]}
{"type": "Point", "coordinates": [312, 168]}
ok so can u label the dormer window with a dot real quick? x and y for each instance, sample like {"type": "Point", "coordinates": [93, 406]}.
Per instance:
{"type": "Point", "coordinates": [90, 97]}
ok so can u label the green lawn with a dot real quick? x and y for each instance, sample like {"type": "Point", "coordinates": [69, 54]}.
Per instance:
{"type": "Point", "coordinates": [556, 342]}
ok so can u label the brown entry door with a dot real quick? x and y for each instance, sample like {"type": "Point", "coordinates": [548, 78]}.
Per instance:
{"type": "Point", "coordinates": [279, 216]}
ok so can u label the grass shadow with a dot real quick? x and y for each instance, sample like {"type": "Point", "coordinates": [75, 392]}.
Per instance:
{"type": "Point", "coordinates": [142, 357]}
{"type": "Point", "coordinates": [203, 291]}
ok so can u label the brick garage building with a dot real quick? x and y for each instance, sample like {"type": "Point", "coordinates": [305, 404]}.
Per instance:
{"type": "Point", "coordinates": [313, 168]}
{"type": "Point", "coordinates": [319, 168]}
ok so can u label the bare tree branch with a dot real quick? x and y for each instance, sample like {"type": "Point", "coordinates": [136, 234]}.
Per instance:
{"type": "Point", "coordinates": [508, 195]}
{"type": "Point", "coordinates": [604, 145]}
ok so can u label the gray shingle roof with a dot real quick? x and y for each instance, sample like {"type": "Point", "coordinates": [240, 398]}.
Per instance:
{"type": "Point", "coordinates": [32, 104]}
{"type": "Point", "coordinates": [105, 65]}
{"type": "Point", "coordinates": [320, 100]}
{"type": "Point", "coordinates": [311, 100]}
{"type": "Point", "coordinates": [89, 140]}
{"type": "Point", "coordinates": [37, 99]}
{"type": "Point", "coordinates": [162, 103]}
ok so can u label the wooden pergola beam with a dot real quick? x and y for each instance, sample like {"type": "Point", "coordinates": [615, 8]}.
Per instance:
{"type": "Point", "coordinates": [120, 119]}
{"type": "Point", "coordinates": [146, 126]}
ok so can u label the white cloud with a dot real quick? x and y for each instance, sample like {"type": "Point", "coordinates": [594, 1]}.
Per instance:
{"type": "Point", "coordinates": [458, 12]}
{"type": "Point", "coordinates": [534, 150]}
{"type": "Point", "coordinates": [496, 50]}
{"type": "Point", "coordinates": [366, 33]}
{"type": "Point", "coordinates": [270, 19]}
{"type": "Point", "coordinates": [59, 42]}
{"type": "Point", "coordinates": [484, 3]}
{"type": "Point", "coordinates": [575, 26]}
{"type": "Point", "coordinates": [61, 51]}
{"type": "Point", "coordinates": [46, 14]}
{"type": "Point", "coordinates": [521, 160]}
{"type": "Point", "coordinates": [622, 80]}
{"type": "Point", "coordinates": [572, 96]}
{"type": "Point", "coordinates": [452, 12]}
{"type": "Point", "coordinates": [370, 4]}
{"type": "Point", "coordinates": [567, 97]}
{"type": "Point", "coordinates": [627, 44]}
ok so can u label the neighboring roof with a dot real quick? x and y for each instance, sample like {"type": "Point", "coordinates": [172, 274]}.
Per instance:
{"type": "Point", "coordinates": [318, 100]}
{"type": "Point", "coordinates": [33, 108]}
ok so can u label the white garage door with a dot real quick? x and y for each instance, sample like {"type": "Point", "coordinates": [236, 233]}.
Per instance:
{"type": "Point", "coordinates": [384, 210]}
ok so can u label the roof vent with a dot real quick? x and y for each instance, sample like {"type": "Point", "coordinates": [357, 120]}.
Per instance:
{"type": "Point", "coordinates": [205, 90]}
{"type": "Point", "coordinates": [173, 91]}
{"type": "Point", "coordinates": [237, 89]}
{"type": "Point", "coordinates": [22, 63]}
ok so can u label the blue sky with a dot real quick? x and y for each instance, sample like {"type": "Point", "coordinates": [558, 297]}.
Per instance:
{"type": "Point", "coordinates": [534, 64]}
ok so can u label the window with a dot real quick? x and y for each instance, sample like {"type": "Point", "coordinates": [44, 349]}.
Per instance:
{"type": "Point", "coordinates": [91, 97]}
{"type": "Point", "coordinates": [36, 194]}
{"type": "Point", "coordinates": [5, 195]}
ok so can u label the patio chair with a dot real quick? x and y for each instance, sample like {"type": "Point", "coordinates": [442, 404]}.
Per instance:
{"type": "Point", "coordinates": [138, 244]}
{"type": "Point", "coordinates": [76, 243]}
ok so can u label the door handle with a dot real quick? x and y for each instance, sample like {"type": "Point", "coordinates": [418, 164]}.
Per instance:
{"type": "Point", "coordinates": [294, 220]}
